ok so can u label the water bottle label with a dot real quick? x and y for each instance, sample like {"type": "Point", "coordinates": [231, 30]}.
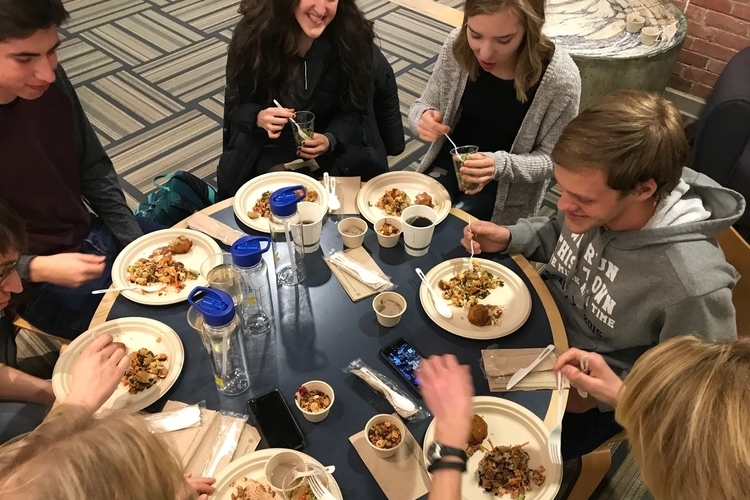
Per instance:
{"type": "Point", "coordinates": [251, 300]}
{"type": "Point", "coordinates": [276, 257]}
{"type": "Point", "coordinates": [219, 381]}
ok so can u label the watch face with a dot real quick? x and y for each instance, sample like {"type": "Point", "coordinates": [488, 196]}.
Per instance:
{"type": "Point", "coordinates": [434, 452]}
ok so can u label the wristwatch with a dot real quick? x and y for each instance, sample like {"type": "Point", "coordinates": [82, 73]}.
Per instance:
{"type": "Point", "coordinates": [436, 452]}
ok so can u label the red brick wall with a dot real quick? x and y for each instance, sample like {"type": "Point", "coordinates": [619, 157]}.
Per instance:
{"type": "Point", "coordinates": [717, 29]}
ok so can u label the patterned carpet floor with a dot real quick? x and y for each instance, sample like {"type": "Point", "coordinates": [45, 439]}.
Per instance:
{"type": "Point", "coordinates": [150, 75]}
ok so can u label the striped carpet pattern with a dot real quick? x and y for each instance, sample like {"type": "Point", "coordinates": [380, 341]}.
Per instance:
{"type": "Point", "coordinates": [150, 75]}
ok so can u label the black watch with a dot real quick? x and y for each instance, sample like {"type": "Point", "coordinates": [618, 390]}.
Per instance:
{"type": "Point", "coordinates": [443, 465]}
{"type": "Point", "coordinates": [437, 451]}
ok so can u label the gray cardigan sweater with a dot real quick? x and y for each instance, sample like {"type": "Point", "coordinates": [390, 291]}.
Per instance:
{"type": "Point", "coordinates": [524, 172]}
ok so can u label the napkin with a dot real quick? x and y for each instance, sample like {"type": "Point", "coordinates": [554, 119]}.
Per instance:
{"type": "Point", "coordinates": [215, 229]}
{"type": "Point", "coordinates": [500, 365]}
{"type": "Point", "coordinates": [346, 190]}
{"type": "Point", "coordinates": [351, 285]}
{"type": "Point", "coordinates": [300, 164]}
{"type": "Point", "coordinates": [402, 476]}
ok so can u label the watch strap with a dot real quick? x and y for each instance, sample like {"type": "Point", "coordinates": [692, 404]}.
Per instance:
{"type": "Point", "coordinates": [449, 451]}
{"type": "Point", "coordinates": [443, 465]}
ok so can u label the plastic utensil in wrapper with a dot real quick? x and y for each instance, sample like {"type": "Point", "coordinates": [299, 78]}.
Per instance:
{"type": "Point", "coordinates": [401, 402]}
{"type": "Point", "coordinates": [226, 443]}
{"type": "Point", "coordinates": [359, 272]}
{"type": "Point", "coordinates": [170, 421]}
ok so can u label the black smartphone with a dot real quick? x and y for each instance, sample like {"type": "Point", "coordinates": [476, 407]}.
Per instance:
{"type": "Point", "coordinates": [404, 358]}
{"type": "Point", "coordinates": [275, 421]}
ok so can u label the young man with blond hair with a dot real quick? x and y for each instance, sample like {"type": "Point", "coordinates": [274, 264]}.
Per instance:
{"type": "Point", "coordinates": [631, 255]}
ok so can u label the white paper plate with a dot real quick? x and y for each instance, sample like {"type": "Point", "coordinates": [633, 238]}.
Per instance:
{"type": "Point", "coordinates": [514, 298]}
{"type": "Point", "coordinates": [251, 191]}
{"type": "Point", "coordinates": [412, 183]}
{"type": "Point", "coordinates": [203, 247]}
{"type": "Point", "coordinates": [135, 333]}
{"type": "Point", "coordinates": [508, 424]}
{"type": "Point", "coordinates": [252, 466]}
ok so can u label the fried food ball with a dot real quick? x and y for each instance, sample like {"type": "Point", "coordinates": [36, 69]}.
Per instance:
{"type": "Point", "coordinates": [479, 315]}
{"type": "Point", "coordinates": [180, 245]}
{"type": "Point", "coordinates": [478, 431]}
{"type": "Point", "coordinates": [424, 199]}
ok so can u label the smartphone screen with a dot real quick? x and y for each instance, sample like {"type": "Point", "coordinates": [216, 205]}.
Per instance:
{"type": "Point", "coordinates": [275, 422]}
{"type": "Point", "coordinates": [405, 358]}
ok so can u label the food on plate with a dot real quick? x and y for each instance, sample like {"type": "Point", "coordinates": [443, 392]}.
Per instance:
{"type": "Point", "coordinates": [384, 435]}
{"type": "Point", "coordinates": [424, 199]}
{"type": "Point", "coordinates": [160, 267]}
{"type": "Point", "coordinates": [248, 489]}
{"type": "Point", "coordinates": [313, 401]}
{"type": "Point", "coordinates": [484, 315]}
{"type": "Point", "coordinates": [262, 207]}
{"type": "Point", "coordinates": [505, 470]}
{"type": "Point", "coordinates": [145, 369]}
{"type": "Point", "coordinates": [467, 288]}
{"type": "Point", "coordinates": [303, 492]}
{"type": "Point", "coordinates": [388, 229]}
{"type": "Point", "coordinates": [477, 434]}
{"type": "Point", "coordinates": [181, 244]}
{"type": "Point", "coordinates": [394, 201]}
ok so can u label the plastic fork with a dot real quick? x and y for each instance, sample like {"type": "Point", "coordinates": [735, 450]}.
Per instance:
{"type": "Point", "coordinates": [471, 241]}
{"type": "Point", "coordinates": [299, 129]}
{"type": "Point", "coordinates": [330, 184]}
{"type": "Point", "coordinates": [555, 437]}
{"type": "Point", "coordinates": [320, 491]}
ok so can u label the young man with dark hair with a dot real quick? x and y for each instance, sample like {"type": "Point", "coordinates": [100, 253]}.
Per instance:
{"type": "Point", "coordinates": [56, 176]}
{"type": "Point", "coordinates": [632, 258]}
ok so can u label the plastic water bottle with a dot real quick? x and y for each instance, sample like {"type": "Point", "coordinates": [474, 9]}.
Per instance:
{"type": "Point", "coordinates": [251, 275]}
{"type": "Point", "coordinates": [220, 331]}
{"type": "Point", "coordinates": [286, 233]}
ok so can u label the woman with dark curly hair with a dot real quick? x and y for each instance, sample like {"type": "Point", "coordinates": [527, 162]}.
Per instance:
{"type": "Point", "coordinates": [311, 55]}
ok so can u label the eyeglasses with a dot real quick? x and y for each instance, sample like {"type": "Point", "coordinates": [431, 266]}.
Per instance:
{"type": "Point", "coordinates": [7, 271]}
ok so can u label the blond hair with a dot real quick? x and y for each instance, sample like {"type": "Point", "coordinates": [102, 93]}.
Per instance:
{"type": "Point", "coordinates": [634, 136]}
{"type": "Point", "coordinates": [536, 48]}
{"type": "Point", "coordinates": [73, 456]}
{"type": "Point", "coordinates": [686, 409]}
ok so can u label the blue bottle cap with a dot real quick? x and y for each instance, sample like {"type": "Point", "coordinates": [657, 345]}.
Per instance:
{"type": "Point", "coordinates": [249, 250]}
{"type": "Point", "coordinates": [284, 201]}
{"type": "Point", "coordinates": [216, 306]}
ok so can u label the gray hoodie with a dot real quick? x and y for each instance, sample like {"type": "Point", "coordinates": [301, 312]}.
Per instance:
{"type": "Point", "coordinates": [523, 173]}
{"type": "Point", "coordinates": [620, 293]}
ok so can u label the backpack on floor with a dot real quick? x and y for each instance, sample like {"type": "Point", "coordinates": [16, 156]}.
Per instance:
{"type": "Point", "coordinates": [177, 197]}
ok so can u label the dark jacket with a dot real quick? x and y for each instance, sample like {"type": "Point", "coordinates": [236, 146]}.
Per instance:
{"type": "Point", "coordinates": [344, 125]}
{"type": "Point", "coordinates": [384, 107]}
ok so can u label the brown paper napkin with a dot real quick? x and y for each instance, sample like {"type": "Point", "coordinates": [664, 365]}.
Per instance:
{"type": "Point", "coordinates": [500, 365]}
{"type": "Point", "coordinates": [346, 190]}
{"type": "Point", "coordinates": [402, 476]}
{"type": "Point", "coordinates": [298, 164]}
{"type": "Point", "coordinates": [353, 287]}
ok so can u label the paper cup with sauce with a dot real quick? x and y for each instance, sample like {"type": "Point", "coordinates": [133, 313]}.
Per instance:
{"type": "Point", "coordinates": [385, 434]}
{"type": "Point", "coordinates": [389, 307]}
{"type": "Point", "coordinates": [352, 231]}
{"type": "Point", "coordinates": [314, 399]}
{"type": "Point", "coordinates": [419, 224]}
{"type": "Point", "coordinates": [388, 230]}
{"type": "Point", "coordinates": [634, 23]}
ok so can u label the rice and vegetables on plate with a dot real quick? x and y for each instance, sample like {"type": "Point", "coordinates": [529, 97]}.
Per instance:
{"type": "Point", "coordinates": [505, 470]}
{"type": "Point", "coordinates": [161, 267]}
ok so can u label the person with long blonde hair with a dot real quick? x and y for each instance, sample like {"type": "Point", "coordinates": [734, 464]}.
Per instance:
{"type": "Point", "coordinates": [686, 408]}
{"type": "Point", "coordinates": [499, 84]}
{"type": "Point", "coordinates": [75, 456]}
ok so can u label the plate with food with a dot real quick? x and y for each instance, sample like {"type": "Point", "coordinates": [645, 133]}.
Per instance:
{"type": "Point", "coordinates": [488, 302]}
{"type": "Point", "coordinates": [244, 478]}
{"type": "Point", "coordinates": [170, 257]}
{"type": "Point", "coordinates": [252, 201]}
{"type": "Point", "coordinates": [509, 458]}
{"type": "Point", "coordinates": [387, 195]}
{"type": "Point", "coordinates": [156, 359]}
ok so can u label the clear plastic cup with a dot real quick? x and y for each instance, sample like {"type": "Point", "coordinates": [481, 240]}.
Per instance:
{"type": "Point", "coordinates": [306, 122]}
{"type": "Point", "coordinates": [290, 486]}
{"type": "Point", "coordinates": [459, 156]}
{"type": "Point", "coordinates": [217, 270]}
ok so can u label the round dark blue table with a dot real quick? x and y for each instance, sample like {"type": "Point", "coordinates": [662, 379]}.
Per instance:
{"type": "Point", "coordinates": [319, 330]}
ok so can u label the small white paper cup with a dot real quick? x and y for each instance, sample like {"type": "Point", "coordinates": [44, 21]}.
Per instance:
{"type": "Point", "coordinates": [417, 239]}
{"type": "Point", "coordinates": [634, 23]}
{"type": "Point", "coordinates": [316, 385]}
{"type": "Point", "coordinates": [388, 320]}
{"type": "Point", "coordinates": [649, 35]}
{"type": "Point", "coordinates": [312, 224]}
{"type": "Point", "coordinates": [385, 453]}
{"type": "Point", "coordinates": [351, 225]}
{"type": "Point", "coordinates": [392, 240]}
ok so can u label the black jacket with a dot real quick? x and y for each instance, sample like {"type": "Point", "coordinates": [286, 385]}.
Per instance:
{"type": "Point", "coordinates": [344, 125]}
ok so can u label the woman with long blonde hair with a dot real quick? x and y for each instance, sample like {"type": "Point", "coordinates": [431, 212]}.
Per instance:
{"type": "Point", "coordinates": [686, 409]}
{"type": "Point", "coordinates": [499, 84]}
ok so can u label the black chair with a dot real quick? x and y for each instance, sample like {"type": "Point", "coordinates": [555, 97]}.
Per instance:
{"type": "Point", "coordinates": [721, 147]}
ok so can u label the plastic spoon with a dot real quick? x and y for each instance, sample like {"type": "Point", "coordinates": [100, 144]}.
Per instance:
{"type": "Point", "coordinates": [441, 307]}
{"type": "Point", "coordinates": [299, 129]}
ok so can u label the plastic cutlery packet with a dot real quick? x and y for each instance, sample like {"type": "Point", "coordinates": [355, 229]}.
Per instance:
{"type": "Point", "coordinates": [228, 438]}
{"type": "Point", "coordinates": [371, 279]}
{"type": "Point", "coordinates": [170, 421]}
{"type": "Point", "coordinates": [404, 404]}
{"type": "Point", "coordinates": [499, 365]}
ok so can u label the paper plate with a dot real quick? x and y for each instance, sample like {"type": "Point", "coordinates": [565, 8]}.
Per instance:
{"type": "Point", "coordinates": [514, 298]}
{"type": "Point", "coordinates": [252, 466]}
{"type": "Point", "coordinates": [135, 333]}
{"type": "Point", "coordinates": [203, 247]}
{"type": "Point", "coordinates": [412, 183]}
{"type": "Point", "coordinates": [508, 424]}
{"type": "Point", "coordinates": [251, 191]}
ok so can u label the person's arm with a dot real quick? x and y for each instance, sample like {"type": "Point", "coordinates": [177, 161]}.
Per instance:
{"type": "Point", "coordinates": [446, 485]}
{"type": "Point", "coordinates": [432, 93]}
{"type": "Point", "coordinates": [536, 237]}
{"type": "Point", "coordinates": [711, 316]}
{"type": "Point", "coordinates": [19, 386]}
